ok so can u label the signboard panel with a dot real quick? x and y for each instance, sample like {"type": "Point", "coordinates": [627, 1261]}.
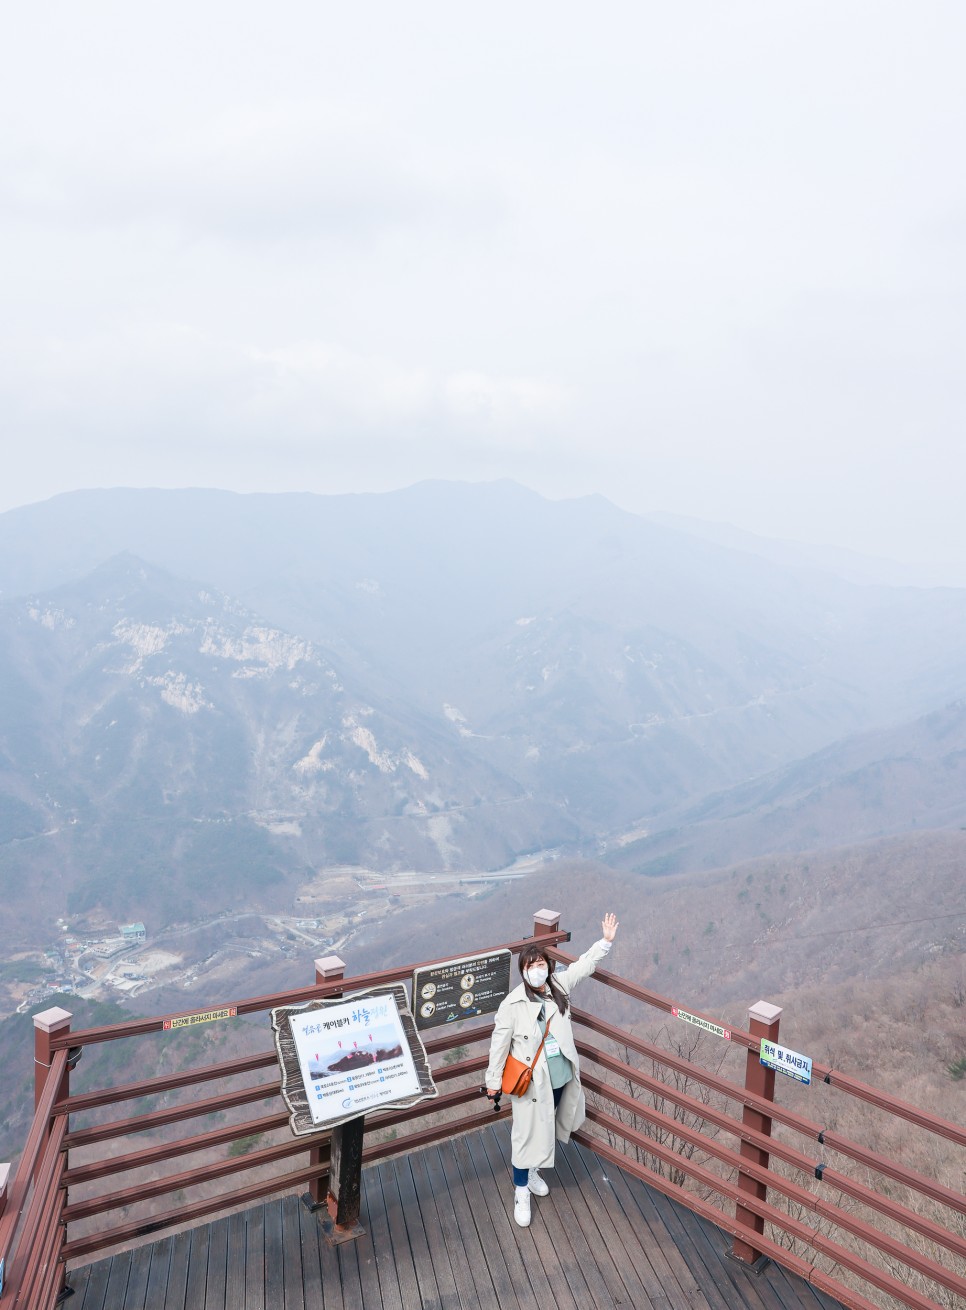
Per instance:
{"type": "Point", "coordinates": [782, 1060]}
{"type": "Point", "coordinates": [342, 1058]}
{"type": "Point", "coordinates": [705, 1024]}
{"type": "Point", "coordinates": [460, 989]}
{"type": "Point", "coordinates": [189, 1020]}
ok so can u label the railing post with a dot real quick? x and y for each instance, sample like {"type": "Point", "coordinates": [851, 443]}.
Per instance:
{"type": "Point", "coordinates": [4, 1175]}
{"type": "Point", "coordinates": [763, 1022]}
{"type": "Point", "coordinates": [46, 1025]}
{"type": "Point", "coordinates": [546, 922]}
{"type": "Point", "coordinates": [329, 969]}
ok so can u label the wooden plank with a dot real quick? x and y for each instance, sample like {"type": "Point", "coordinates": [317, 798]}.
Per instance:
{"type": "Point", "coordinates": [560, 1267]}
{"type": "Point", "coordinates": [417, 1279]}
{"type": "Point", "coordinates": [157, 1288]}
{"type": "Point", "coordinates": [274, 1272]}
{"type": "Point", "coordinates": [292, 1253]}
{"type": "Point", "coordinates": [679, 1282]}
{"type": "Point", "coordinates": [350, 1268]}
{"type": "Point", "coordinates": [255, 1259]}
{"type": "Point", "coordinates": [137, 1283]}
{"type": "Point", "coordinates": [425, 1229]}
{"type": "Point", "coordinates": [217, 1277]}
{"type": "Point", "coordinates": [710, 1264]}
{"type": "Point", "coordinates": [792, 1292]}
{"type": "Point", "coordinates": [309, 1242]}
{"type": "Point", "coordinates": [385, 1260]}
{"type": "Point", "coordinates": [640, 1265]}
{"type": "Point", "coordinates": [485, 1260]}
{"type": "Point", "coordinates": [77, 1280]}
{"type": "Point", "coordinates": [237, 1260]}
{"type": "Point", "coordinates": [174, 1297]}
{"type": "Point", "coordinates": [94, 1287]}
{"type": "Point", "coordinates": [116, 1290]}
{"type": "Point", "coordinates": [569, 1238]}
{"type": "Point", "coordinates": [412, 1291]}
{"type": "Point", "coordinates": [197, 1268]}
{"type": "Point", "coordinates": [496, 1202]}
{"type": "Point", "coordinates": [458, 1232]}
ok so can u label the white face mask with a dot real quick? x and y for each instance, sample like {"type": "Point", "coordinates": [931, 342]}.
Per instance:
{"type": "Point", "coordinates": [536, 975]}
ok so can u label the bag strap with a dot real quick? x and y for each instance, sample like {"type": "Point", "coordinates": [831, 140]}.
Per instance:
{"type": "Point", "coordinates": [540, 1047]}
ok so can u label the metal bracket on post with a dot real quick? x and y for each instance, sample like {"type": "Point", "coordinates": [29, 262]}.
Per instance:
{"type": "Point", "coordinates": [763, 1022]}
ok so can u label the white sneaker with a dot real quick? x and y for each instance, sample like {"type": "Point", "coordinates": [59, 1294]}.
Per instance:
{"type": "Point", "coordinates": [536, 1184]}
{"type": "Point", "coordinates": [521, 1206]}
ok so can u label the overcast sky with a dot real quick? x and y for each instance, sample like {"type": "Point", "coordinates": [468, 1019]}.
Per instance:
{"type": "Point", "coordinates": [705, 258]}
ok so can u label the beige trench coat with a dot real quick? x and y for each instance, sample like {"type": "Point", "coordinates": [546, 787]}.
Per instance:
{"type": "Point", "coordinates": [516, 1032]}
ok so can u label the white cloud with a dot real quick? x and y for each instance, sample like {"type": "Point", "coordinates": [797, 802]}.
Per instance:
{"type": "Point", "coordinates": [707, 258]}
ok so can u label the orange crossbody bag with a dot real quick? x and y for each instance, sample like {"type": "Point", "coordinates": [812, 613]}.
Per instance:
{"type": "Point", "coordinates": [517, 1074]}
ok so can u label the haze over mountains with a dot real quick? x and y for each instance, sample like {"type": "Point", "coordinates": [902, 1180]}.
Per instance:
{"type": "Point", "coordinates": [206, 696]}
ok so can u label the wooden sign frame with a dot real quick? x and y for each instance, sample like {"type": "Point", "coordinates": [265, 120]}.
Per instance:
{"type": "Point", "coordinates": [293, 1089]}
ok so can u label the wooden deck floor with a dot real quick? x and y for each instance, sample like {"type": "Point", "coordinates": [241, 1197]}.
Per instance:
{"type": "Point", "coordinates": [440, 1233]}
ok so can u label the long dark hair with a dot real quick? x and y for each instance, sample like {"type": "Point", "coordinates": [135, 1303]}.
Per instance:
{"type": "Point", "coordinates": [530, 955]}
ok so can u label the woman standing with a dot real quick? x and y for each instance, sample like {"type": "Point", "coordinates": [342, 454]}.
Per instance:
{"type": "Point", "coordinates": [553, 1105]}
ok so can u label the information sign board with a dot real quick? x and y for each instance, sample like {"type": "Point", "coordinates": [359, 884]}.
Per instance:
{"type": "Point", "coordinates": [705, 1024]}
{"type": "Point", "coordinates": [460, 989]}
{"type": "Point", "coordinates": [342, 1058]}
{"type": "Point", "coordinates": [781, 1059]}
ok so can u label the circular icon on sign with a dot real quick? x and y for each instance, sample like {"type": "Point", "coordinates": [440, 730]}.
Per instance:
{"type": "Point", "coordinates": [427, 1009]}
{"type": "Point", "coordinates": [428, 992]}
{"type": "Point", "coordinates": [466, 1000]}
{"type": "Point", "coordinates": [467, 981]}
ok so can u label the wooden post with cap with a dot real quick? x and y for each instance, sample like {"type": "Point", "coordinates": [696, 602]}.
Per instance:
{"type": "Point", "coordinates": [763, 1021]}
{"type": "Point", "coordinates": [46, 1024]}
{"type": "Point", "coordinates": [546, 922]}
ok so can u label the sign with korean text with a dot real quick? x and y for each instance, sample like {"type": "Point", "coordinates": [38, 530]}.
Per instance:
{"type": "Point", "coordinates": [342, 1058]}
{"type": "Point", "coordinates": [705, 1024]}
{"type": "Point", "coordinates": [781, 1059]}
{"type": "Point", "coordinates": [189, 1020]}
{"type": "Point", "coordinates": [460, 989]}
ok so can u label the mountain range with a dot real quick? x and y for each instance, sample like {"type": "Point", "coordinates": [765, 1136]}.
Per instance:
{"type": "Point", "coordinates": [206, 696]}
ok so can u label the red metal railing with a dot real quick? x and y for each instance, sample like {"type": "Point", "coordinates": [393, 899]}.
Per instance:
{"type": "Point", "coordinates": [62, 1205]}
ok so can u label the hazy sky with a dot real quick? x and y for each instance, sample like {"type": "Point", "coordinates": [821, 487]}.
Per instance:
{"type": "Point", "coordinates": [705, 258]}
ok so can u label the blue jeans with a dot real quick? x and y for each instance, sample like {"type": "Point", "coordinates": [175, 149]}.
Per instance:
{"type": "Point", "coordinates": [520, 1176]}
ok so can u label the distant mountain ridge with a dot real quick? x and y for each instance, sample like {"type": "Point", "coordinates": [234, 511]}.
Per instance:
{"type": "Point", "coordinates": [906, 779]}
{"type": "Point", "coordinates": [444, 678]}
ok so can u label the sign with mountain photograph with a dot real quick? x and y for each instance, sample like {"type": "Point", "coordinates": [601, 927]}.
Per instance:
{"type": "Point", "coordinates": [342, 1058]}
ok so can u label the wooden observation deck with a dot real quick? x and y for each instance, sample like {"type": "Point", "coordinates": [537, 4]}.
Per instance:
{"type": "Point", "coordinates": [440, 1233]}
{"type": "Point", "coordinates": [684, 1187]}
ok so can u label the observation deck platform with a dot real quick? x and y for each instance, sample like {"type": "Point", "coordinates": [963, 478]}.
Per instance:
{"type": "Point", "coordinates": [440, 1233]}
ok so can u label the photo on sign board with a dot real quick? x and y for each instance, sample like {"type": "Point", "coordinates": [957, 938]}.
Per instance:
{"type": "Point", "coordinates": [376, 1047]}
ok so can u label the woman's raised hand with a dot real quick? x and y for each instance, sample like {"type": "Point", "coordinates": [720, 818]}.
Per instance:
{"type": "Point", "coordinates": [609, 926]}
